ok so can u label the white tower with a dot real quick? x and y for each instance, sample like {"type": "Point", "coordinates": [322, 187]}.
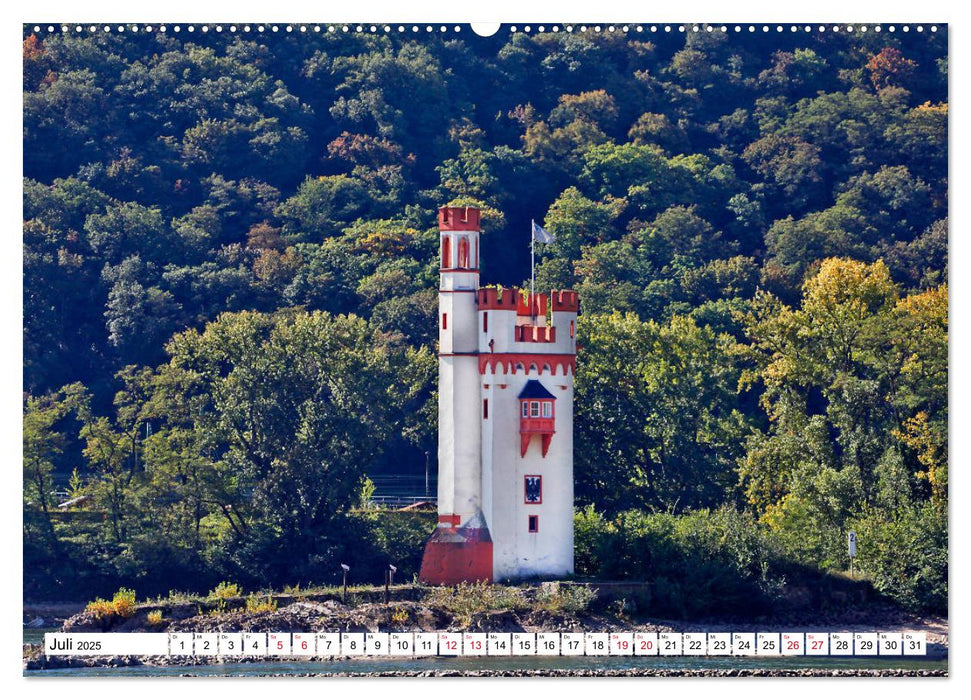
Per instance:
{"type": "Point", "coordinates": [505, 421]}
{"type": "Point", "coordinates": [460, 549]}
{"type": "Point", "coordinates": [527, 367]}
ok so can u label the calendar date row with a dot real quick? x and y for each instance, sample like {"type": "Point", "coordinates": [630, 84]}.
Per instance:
{"type": "Point", "coordinates": [416, 644]}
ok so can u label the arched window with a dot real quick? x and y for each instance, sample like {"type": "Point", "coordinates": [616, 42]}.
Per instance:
{"type": "Point", "coordinates": [463, 252]}
{"type": "Point", "coordinates": [446, 252]}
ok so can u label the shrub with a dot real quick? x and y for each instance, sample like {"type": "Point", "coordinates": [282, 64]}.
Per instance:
{"type": "Point", "coordinates": [100, 608]}
{"type": "Point", "coordinates": [254, 604]}
{"type": "Point", "coordinates": [905, 556]}
{"type": "Point", "coordinates": [380, 537]}
{"type": "Point", "coordinates": [467, 599]}
{"type": "Point", "coordinates": [154, 618]}
{"type": "Point", "coordinates": [225, 590]}
{"type": "Point", "coordinates": [591, 541]}
{"type": "Point", "coordinates": [699, 563]}
{"type": "Point", "coordinates": [565, 598]}
{"type": "Point", "coordinates": [122, 604]}
{"type": "Point", "coordinates": [175, 597]}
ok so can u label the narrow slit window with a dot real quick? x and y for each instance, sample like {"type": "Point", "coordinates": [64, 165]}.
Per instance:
{"type": "Point", "coordinates": [485, 408]}
{"type": "Point", "coordinates": [572, 328]}
{"type": "Point", "coordinates": [534, 523]}
{"type": "Point", "coordinates": [444, 322]}
{"type": "Point", "coordinates": [485, 322]}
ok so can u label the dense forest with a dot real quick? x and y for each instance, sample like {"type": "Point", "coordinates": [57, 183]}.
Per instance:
{"type": "Point", "coordinates": [230, 280]}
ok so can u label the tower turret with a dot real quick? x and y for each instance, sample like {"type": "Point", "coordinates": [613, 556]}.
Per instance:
{"type": "Point", "coordinates": [460, 549]}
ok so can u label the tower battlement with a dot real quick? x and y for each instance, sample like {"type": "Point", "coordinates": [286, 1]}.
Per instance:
{"type": "Point", "coordinates": [458, 219]}
{"type": "Point", "coordinates": [532, 306]}
{"type": "Point", "coordinates": [525, 333]}
{"type": "Point", "coordinates": [565, 300]}
{"type": "Point", "coordinates": [491, 298]}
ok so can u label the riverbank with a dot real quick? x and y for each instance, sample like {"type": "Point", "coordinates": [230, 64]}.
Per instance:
{"type": "Point", "coordinates": [601, 673]}
{"type": "Point", "coordinates": [49, 614]}
{"type": "Point", "coordinates": [645, 673]}
{"type": "Point", "coordinates": [543, 608]}
{"type": "Point", "coordinates": [515, 667]}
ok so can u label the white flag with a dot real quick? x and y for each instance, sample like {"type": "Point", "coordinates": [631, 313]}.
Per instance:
{"type": "Point", "coordinates": [542, 235]}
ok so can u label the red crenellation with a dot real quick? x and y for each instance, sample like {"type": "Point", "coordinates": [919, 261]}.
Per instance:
{"type": "Point", "coordinates": [532, 305]}
{"type": "Point", "coordinates": [534, 334]}
{"type": "Point", "coordinates": [491, 298]}
{"type": "Point", "coordinates": [458, 219]}
{"type": "Point", "coordinates": [565, 300]}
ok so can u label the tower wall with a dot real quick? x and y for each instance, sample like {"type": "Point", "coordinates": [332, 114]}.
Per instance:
{"type": "Point", "coordinates": [518, 553]}
{"type": "Point", "coordinates": [516, 346]}
{"type": "Point", "coordinates": [460, 439]}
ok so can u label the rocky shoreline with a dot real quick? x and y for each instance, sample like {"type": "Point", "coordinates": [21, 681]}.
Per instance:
{"type": "Point", "coordinates": [412, 616]}
{"type": "Point", "coordinates": [640, 673]}
{"type": "Point", "coordinates": [39, 662]}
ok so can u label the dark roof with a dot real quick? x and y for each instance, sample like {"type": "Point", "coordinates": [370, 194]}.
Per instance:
{"type": "Point", "coordinates": [535, 390]}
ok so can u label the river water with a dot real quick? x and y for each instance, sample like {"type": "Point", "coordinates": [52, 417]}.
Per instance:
{"type": "Point", "coordinates": [371, 665]}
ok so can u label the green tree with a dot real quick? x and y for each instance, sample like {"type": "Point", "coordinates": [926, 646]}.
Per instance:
{"type": "Point", "coordinates": [43, 444]}
{"type": "Point", "coordinates": [321, 207]}
{"type": "Point", "coordinates": [300, 406]}
{"type": "Point", "coordinates": [791, 164]}
{"type": "Point", "coordinates": [653, 128]}
{"type": "Point", "coordinates": [840, 401]}
{"type": "Point", "coordinates": [575, 221]}
{"type": "Point", "coordinates": [657, 418]}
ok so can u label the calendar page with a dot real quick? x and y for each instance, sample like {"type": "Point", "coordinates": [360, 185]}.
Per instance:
{"type": "Point", "coordinates": [524, 349]}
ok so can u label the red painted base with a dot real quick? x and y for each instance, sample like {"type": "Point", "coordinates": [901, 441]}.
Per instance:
{"type": "Point", "coordinates": [453, 555]}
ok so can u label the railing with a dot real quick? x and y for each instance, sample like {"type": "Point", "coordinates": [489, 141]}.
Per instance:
{"type": "Point", "coordinates": [401, 501]}
{"type": "Point", "coordinates": [536, 425]}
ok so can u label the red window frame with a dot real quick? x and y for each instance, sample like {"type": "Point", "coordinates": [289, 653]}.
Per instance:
{"type": "Point", "coordinates": [446, 253]}
{"type": "Point", "coordinates": [533, 523]}
{"type": "Point", "coordinates": [533, 476]}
